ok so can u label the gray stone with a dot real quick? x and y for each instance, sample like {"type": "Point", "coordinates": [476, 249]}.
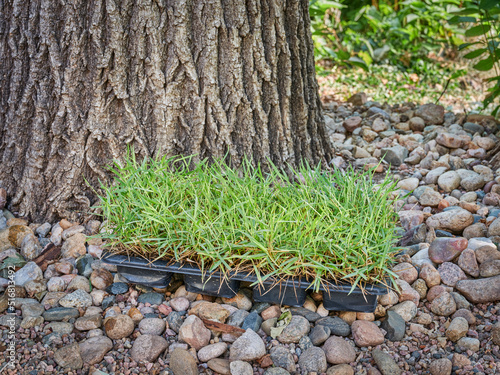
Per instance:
{"type": "Point", "coordinates": [152, 326]}
{"type": "Point", "coordinates": [282, 357]}
{"type": "Point", "coordinates": [241, 368]}
{"type": "Point", "coordinates": [395, 155]}
{"type": "Point", "coordinates": [212, 351]}
{"type": "Point", "coordinates": [60, 314]}
{"type": "Point", "coordinates": [94, 349]}
{"type": "Point", "coordinates": [237, 318]}
{"type": "Point", "coordinates": [337, 326]}
{"type": "Point", "coordinates": [385, 363]}
{"type": "Point", "coordinates": [78, 298]}
{"type": "Point", "coordinates": [147, 348]}
{"type": "Point", "coordinates": [480, 290]}
{"type": "Point", "coordinates": [252, 321]}
{"type": "Point", "coordinates": [32, 310]}
{"type": "Point", "coordinates": [69, 357]}
{"type": "Point", "coordinates": [298, 327]}
{"type": "Point", "coordinates": [319, 334]}
{"type": "Point", "coordinates": [394, 325]}
{"type": "Point", "coordinates": [313, 360]}
{"type": "Point", "coordinates": [248, 347]}
{"type": "Point", "coordinates": [174, 320]}
{"type": "Point", "coordinates": [29, 272]}
{"type": "Point", "coordinates": [152, 298]}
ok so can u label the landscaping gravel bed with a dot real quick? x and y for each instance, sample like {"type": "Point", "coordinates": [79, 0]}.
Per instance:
{"type": "Point", "coordinates": [77, 315]}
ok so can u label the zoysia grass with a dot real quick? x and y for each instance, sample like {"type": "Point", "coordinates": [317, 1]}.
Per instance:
{"type": "Point", "coordinates": [325, 226]}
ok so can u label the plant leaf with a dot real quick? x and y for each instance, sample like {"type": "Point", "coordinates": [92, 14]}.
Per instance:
{"type": "Point", "coordinates": [478, 30]}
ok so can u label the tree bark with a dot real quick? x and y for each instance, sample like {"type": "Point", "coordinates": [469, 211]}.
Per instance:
{"type": "Point", "coordinates": [82, 80]}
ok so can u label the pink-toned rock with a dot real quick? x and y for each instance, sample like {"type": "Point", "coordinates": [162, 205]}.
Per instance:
{"type": "Point", "coordinates": [467, 262]}
{"type": "Point", "coordinates": [451, 273]}
{"type": "Point", "coordinates": [444, 305]}
{"type": "Point", "coordinates": [352, 123]}
{"type": "Point", "coordinates": [64, 267]}
{"type": "Point", "coordinates": [445, 249]}
{"type": "Point", "coordinates": [194, 332]}
{"type": "Point", "coordinates": [366, 333]}
{"type": "Point", "coordinates": [271, 312]}
{"type": "Point", "coordinates": [411, 218]}
{"type": "Point", "coordinates": [436, 291]}
{"type": "Point", "coordinates": [406, 272]}
{"type": "Point", "coordinates": [480, 290]}
{"type": "Point", "coordinates": [338, 351]}
{"type": "Point", "coordinates": [491, 199]}
{"type": "Point", "coordinates": [479, 153]}
{"type": "Point", "coordinates": [449, 140]}
{"type": "Point", "coordinates": [430, 275]}
{"type": "Point", "coordinates": [406, 292]}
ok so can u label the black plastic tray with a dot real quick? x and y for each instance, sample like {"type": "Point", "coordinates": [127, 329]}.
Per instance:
{"type": "Point", "coordinates": [292, 291]}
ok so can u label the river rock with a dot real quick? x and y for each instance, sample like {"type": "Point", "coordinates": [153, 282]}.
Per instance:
{"type": "Point", "coordinates": [407, 310]}
{"type": "Point", "coordinates": [480, 290]}
{"type": "Point", "coordinates": [148, 348]}
{"type": "Point", "coordinates": [282, 357]}
{"type": "Point", "coordinates": [442, 366]}
{"type": "Point", "coordinates": [119, 326]}
{"type": "Point", "coordinates": [313, 360]}
{"type": "Point", "coordinates": [74, 246]}
{"type": "Point", "coordinates": [457, 329]}
{"type": "Point", "coordinates": [248, 347]}
{"type": "Point", "coordinates": [467, 262]}
{"type": "Point", "coordinates": [490, 268]}
{"type": "Point", "coordinates": [366, 333]}
{"type": "Point", "coordinates": [69, 357]}
{"type": "Point", "coordinates": [444, 305]}
{"type": "Point", "coordinates": [444, 249]}
{"type": "Point", "coordinates": [454, 220]}
{"type": "Point", "coordinates": [406, 272]}
{"type": "Point", "coordinates": [298, 327]}
{"type": "Point", "coordinates": [449, 181]}
{"type": "Point", "coordinates": [385, 363]}
{"type": "Point", "coordinates": [210, 311]}
{"type": "Point", "coordinates": [394, 325]}
{"type": "Point", "coordinates": [183, 363]}
{"type": "Point", "coordinates": [338, 350]}
{"type": "Point", "coordinates": [212, 351]}
{"type": "Point", "coordinates": [194, 332]}
{"type": "Point", "coordinates": [152, 326]}
{"type": "Point", "coordinates": [432, 114]}
{"type": "Point", "coordinates": [94, 349]}
{"type": "Point", "coordinates": [29, 272]}
{"type": "Point", "coordinates": [450, 273]}
{"type": "Point", "coordinates": [430, 275]}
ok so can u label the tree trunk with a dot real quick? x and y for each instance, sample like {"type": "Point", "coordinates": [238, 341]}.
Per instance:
{"type": "Point", "coordinates": [82, 80]}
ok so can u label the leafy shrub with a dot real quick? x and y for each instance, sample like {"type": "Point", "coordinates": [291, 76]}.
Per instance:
{"type": "Point", "coordinates": [319, 225]}
{"type": "Point", "coordinates": [484, 30]}
{"type": "Point", "coordinates": [400, 33]}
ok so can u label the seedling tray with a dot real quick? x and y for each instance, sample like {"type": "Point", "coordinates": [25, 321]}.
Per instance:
{"type": "Point", "coordinates": [291, 291]}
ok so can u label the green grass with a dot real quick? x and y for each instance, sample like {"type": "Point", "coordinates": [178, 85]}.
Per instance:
{"type": "Point", "coordinates": [314, 224]}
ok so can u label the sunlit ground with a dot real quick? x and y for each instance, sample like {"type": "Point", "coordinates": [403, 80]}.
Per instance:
{"type": "Point", "coordinates": [385, 83]}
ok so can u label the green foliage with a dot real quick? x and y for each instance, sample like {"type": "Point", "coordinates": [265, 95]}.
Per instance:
{"type": "Point", "coordinates": [315, 224]}
{"type": "Point", "coordinates": [401, 34]}
{"type": "Point", "coordinates": [484, 19]}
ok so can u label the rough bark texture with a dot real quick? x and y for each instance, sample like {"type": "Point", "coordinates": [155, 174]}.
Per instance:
{"type": "Point", "coordinates": [81, 80]}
